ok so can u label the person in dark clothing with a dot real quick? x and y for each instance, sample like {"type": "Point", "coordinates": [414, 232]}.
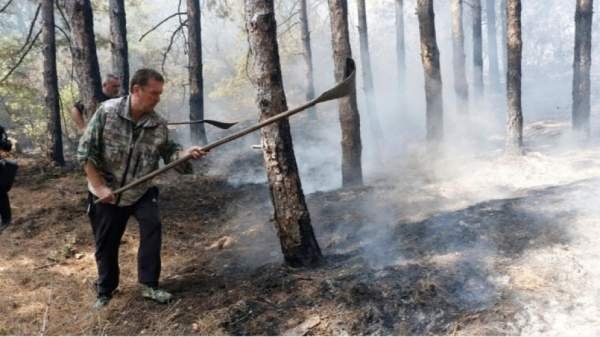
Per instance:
{"type": "Point", "coordinates": [8, 170]}
{"type": "Point", "coordinates": [110, 89]}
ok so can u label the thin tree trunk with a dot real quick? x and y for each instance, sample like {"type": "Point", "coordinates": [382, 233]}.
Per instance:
{"type": "Point", "coordinates": [400, 49]}
{"type": "Point", "coordinates": [477, 51]}
{"type": "Point", "coordinates": [367, 71]}
{"type": "Point", "coordinates": [582, 62]}
{"type": "Point", "coordinates": [348, 109]}
{"type": "Point", "coordinates": [494, 72]}
{"type": "Point", "coordinates": [55, 145]}
{"type": "Point", "coordinates": [430, 58]}
{"type": "Point", "coordinates": [503, 38]}
{"type": "Point", "coordinates": [85, 59]}
{"type": "Point", "coordinates": [197, 131]}
{"type": "Point", "coordinates": [458, 47]}
{"type": "Point", "coordinates": [118, 44]}
{"type": "Point", "coordinates": [309, 81]}
{"type": "Point", "coordinates": [514, 143]}
{"type": "Point", "coordinates": [292, 219]}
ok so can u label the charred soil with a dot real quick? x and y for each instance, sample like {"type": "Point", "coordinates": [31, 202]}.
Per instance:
{"type": "Point", "coordinates": [389, 267]}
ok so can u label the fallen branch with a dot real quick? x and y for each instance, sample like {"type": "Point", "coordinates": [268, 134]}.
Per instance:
{"type": "Point", "coordinates": [45, 319]}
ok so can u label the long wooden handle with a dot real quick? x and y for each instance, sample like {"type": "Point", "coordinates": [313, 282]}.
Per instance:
{"type": "Point", "coordinates": [342, 89]}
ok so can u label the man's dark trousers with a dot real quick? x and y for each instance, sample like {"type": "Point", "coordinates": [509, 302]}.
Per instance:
{"type": "Point", "coordinates": [108, 224]}
{"type": "Point", "coordinates": [5, 213]}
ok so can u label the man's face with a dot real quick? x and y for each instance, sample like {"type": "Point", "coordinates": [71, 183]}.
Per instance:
{"type": "Point", "coordinates": [148, 96]}
{"type": "Point", "coordinates": [111, 87]}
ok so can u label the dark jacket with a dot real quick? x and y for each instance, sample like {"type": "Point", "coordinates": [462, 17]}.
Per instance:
{"type": "Point", "coordinates": [5, 143]}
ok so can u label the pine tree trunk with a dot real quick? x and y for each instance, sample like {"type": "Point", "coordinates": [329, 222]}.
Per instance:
{"type": "Point", "coordinates": [55, 145]}
{"type": "Point", "coordinates": [292, 219]}
{"type": "Point", "coordinates": [118, 44]}
{"type": "Point", "coordinates": [430, 58]}
{"type": "Point", "coordinates": [582, 63]}
{"type": "Point", "coordinates": [477, 51]}
{"type": "Point", "coordinates": [458, 61]}
{"type": "Point", "coordinates": [309, 81]}
{"type": "Point", "coordinates": [503, 38]}
{"type": "Point", "coordinates": [367, 71]}
{"type": "Point", "coordinates": [348, 109]}
{"type": "Point", "coordinates": [492, 46]}
{"type": "Point", "coordinates": [85, 59]}
{"type": "Point", "coordinates": [513, 87]}
{"type": "Point", "coordinates": [197, 131]}
{"type": "Point", "coordinates": [400, 49]}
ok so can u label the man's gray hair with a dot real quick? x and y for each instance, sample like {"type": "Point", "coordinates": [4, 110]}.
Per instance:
{"type": "Point", "coordinates": [109, 77]}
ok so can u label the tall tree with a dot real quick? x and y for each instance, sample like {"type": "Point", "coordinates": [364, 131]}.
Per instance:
{"type": "Point", "coordinates": [503, 39]}
{"type": "Point", "coordinates": [458, 57]}
{"type": "Point", "coordinates": [367, 72]}
{"type": "Point", "coordinates": [400, 53]}
{"type": "Point", "coordinates": [85, 59]}
{"type": "Point", "coordinates": [493, 70]}
{"type": "Point", "coordinates": [348, 109]}
{"type": "Point", "coordinates": [55, 145]}
{"type": "Point", "coordinates": [118, 44]}
{"type": "Point", "coordinates": [294, 229]}
{"type": "Point", "coordinates": [309, 81]}
{"type": "Point", "coordinates": [477, 50]}
{"type": "Point", "coordinates": [514, 143]}
{"type": "Point", "coordinates": [197, 131]}
{"type": "Point", "coordinates": [582, 62]}
{"type": "Point", "coordinates": [430, 57]}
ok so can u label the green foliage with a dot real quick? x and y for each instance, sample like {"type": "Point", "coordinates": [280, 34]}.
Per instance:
{"type": "Point", "coordinates": [24, 105]}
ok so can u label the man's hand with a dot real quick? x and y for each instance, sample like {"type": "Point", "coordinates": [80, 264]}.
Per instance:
{"type": "Point", "coordinates": [195, 151]}
{"type": "Point", "coordinates": [96, 184]}
{"type": "Point", "coordinates": [104, 194]}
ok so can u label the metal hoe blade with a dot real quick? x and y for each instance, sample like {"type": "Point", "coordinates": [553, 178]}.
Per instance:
{"type": "Point", "coordinates": [220, 125]}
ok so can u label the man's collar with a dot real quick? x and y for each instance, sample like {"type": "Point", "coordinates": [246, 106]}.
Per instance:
{"type": "Point", "coordinates": [149, 120]}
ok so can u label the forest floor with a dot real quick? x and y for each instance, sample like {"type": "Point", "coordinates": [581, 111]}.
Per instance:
{"type": "Point", "coordinates": [498, 246]}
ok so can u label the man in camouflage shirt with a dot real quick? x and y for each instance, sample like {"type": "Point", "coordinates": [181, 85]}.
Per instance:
{"type": "Point", "coordinates": [125, 140]}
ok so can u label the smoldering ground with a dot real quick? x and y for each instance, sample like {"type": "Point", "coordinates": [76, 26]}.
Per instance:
{"type": "Point", "coordinates": [468, 242]}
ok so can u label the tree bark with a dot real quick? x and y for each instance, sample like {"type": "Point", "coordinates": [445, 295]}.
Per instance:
{"type": "Point", "coordinates": [118, 44]}
{"type": "Point", "coordinates": [197, 131]}
{"type": "Point", "coordinates": [348, 109]}
{"type": "Point", "coordinates": [85, 59]}
{"type": "Point", "coordinates": [458, 61]}
{"type": "Point", "coordinates": [309, 81]}
{"type": "Point", "coordinates": [292, 219]}
{"type": "Point", "coordinates": [55, 145]}
{"type": "Point", "coordinates": [513, 87]}
{"type": "Point", "coordinates": [367, 71]}
{"type": "Point", "coordinates": [400, 49]}
{"type": "Point", "coordinates": [493, 70]}
{"type": "Point", "coordinates": [430, 57]}
{"type": "Point", "coordinates": [582, 62]}
{"type": "Point", "coordinates": [477, 50]}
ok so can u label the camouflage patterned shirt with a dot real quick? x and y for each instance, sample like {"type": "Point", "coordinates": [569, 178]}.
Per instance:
{"type": "Point", "coordinates": [123, 150]}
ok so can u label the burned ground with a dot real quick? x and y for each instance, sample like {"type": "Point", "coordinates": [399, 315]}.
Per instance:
{"type": "Point", "coordinates": [422, 256]}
